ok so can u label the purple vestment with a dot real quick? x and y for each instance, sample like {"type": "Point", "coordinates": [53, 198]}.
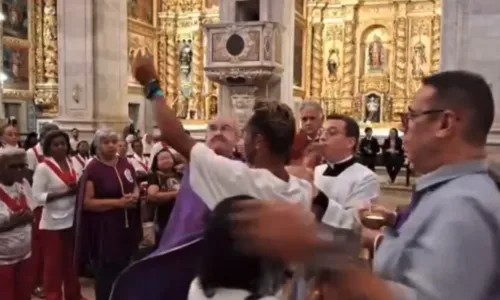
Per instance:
{"type": "Point", "coordinates": [168, 272]}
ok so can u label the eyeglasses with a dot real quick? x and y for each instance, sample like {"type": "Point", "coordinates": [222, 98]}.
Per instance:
{"type": "Point", "coordinates": [413, 114]}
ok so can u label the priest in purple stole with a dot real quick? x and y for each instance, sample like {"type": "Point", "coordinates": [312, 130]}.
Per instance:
{"type": "Point", "coordinates": [108, 216]}
{"type": "Point", "coordinates": [167, 273]}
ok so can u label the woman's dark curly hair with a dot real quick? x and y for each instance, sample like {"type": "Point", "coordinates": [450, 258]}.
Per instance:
{"type": "Point", "coordinates": [51, 135]}
{"type": "Point", "coordinates": [275, 122]}
{"type": "Point", "coordinates": [224, 265]}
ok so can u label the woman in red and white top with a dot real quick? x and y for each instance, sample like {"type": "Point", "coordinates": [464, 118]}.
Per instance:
{"type": "Point", "coordinates": [16, 217]}
{"type": "Point", "coordinates": [139, 161]}
{"type": "Point", "coordinates": [82, 155]}
{"type": "Point", "coordinates": [55, 187]}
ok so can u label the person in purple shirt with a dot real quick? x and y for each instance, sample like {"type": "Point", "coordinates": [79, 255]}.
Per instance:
{"type": "Point", "coordinates": [178, 251]}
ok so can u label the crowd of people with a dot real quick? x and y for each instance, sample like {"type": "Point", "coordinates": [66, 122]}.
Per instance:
{"type": "Point", "coordinates": [263, 213]}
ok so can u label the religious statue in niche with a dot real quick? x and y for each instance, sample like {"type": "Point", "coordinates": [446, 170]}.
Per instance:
{"type": "Point", "coordinates": [372, 108]}
{"type": "Point", "coordinates": [376, 54]}
{"type": "Point", "coordinates": [418, 60]}
{"type": "Point", "coordinates": [186, 57]}
{"type": "Point", "coordinates": [333, 64]}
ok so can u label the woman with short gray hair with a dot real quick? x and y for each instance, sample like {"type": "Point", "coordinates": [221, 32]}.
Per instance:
{"type": "Point", "coordinates": [111, 213]}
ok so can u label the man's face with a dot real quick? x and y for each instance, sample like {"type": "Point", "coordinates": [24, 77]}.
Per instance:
{"type": "Point", "coordinates": [312, 120]}
{"type": "Point", "coordinates": [420, 140]}
{"type": "Point", "coordinates": [75, 133]}
{"type": "Point", "coordinates": [336, 145]}
{"type": "Point", "coordinates": [368, 133]}
{"type": "Point", "coordinates": [222, 136]}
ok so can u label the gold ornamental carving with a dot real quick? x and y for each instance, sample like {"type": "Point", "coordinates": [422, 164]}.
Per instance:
{"type": "Point", "coordinates": [349, 60]}
{"type": "Point", "coordinates": [162, 53]}
{"type": "Point", "coordinates": [436, 44]}
{"type": "Point", "coordinates": [317, 60]}
{"type": "Point", "coordinates": [400, 60]}
{"type": "Point", "coordinates": [384, 52]}
{"type": "Point", "coordinates": [195, 106]}
{"type": "Point", "coordinates": [46, 94]}
{"type": "Point", "coordinates": [171, 63]}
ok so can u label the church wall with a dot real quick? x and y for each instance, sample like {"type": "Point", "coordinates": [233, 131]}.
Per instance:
{"type": "Point", "coordinates": [471, 42]}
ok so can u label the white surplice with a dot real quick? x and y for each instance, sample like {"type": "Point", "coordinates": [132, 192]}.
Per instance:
{"type": "Point", "coordinates": [356, 186]}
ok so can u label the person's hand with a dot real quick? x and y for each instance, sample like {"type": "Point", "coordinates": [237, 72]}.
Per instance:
{"type": "Point", "coordinates": [24, 217]}
{"type": "Point", "coordinates": [144, 70]}
{"type": "Point", "coordinates": [72, 189]}
{"type": "Point", "coordinates": [368, 237]}
{"type": "Point", "coordinates": [352, 284]}
{"type": "Point", "coordinates": [128, 201]}
{"type": "Point", "coordinates": [277, 229]}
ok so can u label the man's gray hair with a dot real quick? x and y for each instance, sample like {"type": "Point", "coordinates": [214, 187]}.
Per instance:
{"type": "Point", "coordinates": [311, 105]}
{"type": "Point", "coordinates": [103, 133]}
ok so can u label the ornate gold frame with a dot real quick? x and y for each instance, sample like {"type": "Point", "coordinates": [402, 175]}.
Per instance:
{"type": "Point", "coordinates": [146, 30]}
{"type": "Point", "coordinates": [30, 43]}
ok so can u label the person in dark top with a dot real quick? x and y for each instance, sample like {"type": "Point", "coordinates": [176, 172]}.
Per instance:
{"type": "Point", "coordinates": [163, 186]}
{"type": "Point", "coordinates": [30, 141]}
{"type": "Point", "coordinates": [369, 148]}
{"type": "Point", "coordinates": [393, 154]}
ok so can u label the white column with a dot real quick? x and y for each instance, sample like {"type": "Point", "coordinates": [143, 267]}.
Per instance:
{"type": "Point", "coordinates": [287, 10]}
{"type": "Point", "coordinates": [110, 63]}
{"type": "Point", "coordinates": [76, 65]}
{"type": "Point", "coordinates": [470, 42]}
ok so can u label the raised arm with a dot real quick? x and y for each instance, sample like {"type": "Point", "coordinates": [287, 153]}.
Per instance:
{"type": "Point", "coordinates": [171, 128]}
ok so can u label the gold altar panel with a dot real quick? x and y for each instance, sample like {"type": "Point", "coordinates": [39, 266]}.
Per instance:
{"type": "Point", "coordinates": [367, 58]}
{"type": "Point", "coordinates": [181, 55]}
{"type": "Point", "coordinates": [138, 45]}
{"type": "Point", "coordinates": [18, 49]}
{"type": "Point", "coordinates": [142, 35]}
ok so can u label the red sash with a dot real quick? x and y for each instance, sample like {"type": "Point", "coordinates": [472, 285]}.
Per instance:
{"type": "Point", "coordinates": [68, 178]}
{"type": "Point", "coordinates": [80, 160]}
{"type": "Point", "coordinates": [15, 205]}
{"type": "Point", "coordinates": [143, 165]}
{"type": "Point", "coordinates": [38, 156]}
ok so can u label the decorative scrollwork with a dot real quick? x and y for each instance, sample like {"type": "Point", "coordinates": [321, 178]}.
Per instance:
{"type": "Point", "coordinates": [50, 41]}
{"type": "Point", "coordinates": [349, 60]}
{"type": "Point", "coordinates": [195, 107]}
{"type": "Point", "coordinates": [38, 21]}
{"type": "Point", "coordinates": [171, 63]}
{"type": "Point", "coordinates": [436, 44]}
{"type": "Point", "coordinates": [401, 40]}
{"type": "Point", "coordinates": [162, 53]}
{"type": "Point", "coordinates": [317, 60]}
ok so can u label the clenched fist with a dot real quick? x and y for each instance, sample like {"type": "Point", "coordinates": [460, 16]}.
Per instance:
{"type": "Point", "coordinates": [144, 70]}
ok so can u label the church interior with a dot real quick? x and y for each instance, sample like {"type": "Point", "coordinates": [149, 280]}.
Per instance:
{"type": "Point", "coordinates": [362, 58]}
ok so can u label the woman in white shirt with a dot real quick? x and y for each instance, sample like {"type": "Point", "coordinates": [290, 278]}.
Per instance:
{"type": "Point", "coordinates": [226, 272]}
{"type": "Point", "coordinates": [55, 187]}
{"type": "Point", "coordinates": [16, 219]}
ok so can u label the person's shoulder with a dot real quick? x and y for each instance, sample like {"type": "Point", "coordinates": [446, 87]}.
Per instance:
{"type": "Point", "coordinates": [362, 171]}
{"type": "Point", "coordinates": [320, 168]}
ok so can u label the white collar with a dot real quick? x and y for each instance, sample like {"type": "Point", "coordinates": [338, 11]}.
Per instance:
{"type": "Point", "coordinates": [39, 148]}
{"type": "Point", "coordinates": [139, 158]}
{"type": "Point", "coordinates": [196, 293]}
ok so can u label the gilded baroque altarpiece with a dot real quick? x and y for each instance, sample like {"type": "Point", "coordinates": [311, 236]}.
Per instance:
{"type": "Point", "coordinates": [178, 40]}
{"type": "Point", "coordinates": [29, 52]}
{"type": "Point", "coordinates": [367, 58]}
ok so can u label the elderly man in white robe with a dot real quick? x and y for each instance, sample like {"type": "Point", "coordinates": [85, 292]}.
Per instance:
{"type": "Point", "coordinates": [343, 184]}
